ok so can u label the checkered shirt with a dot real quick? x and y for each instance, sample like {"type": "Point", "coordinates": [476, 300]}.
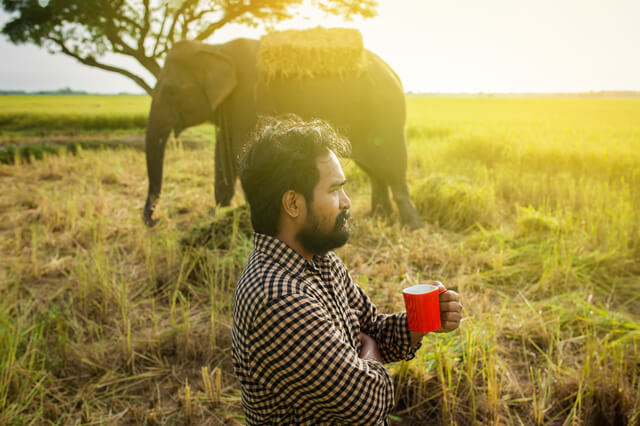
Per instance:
{"type": "Point", "coordinates": [296, 340]}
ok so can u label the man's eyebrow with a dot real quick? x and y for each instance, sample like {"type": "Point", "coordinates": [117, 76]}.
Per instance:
{"type": "Point", "coordinates": [338, 183]}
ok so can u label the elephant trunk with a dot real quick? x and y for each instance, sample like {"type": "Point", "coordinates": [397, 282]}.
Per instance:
{"type": "Point", "coordinates": [158, 129]}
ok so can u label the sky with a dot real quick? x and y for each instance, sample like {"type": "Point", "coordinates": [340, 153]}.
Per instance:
{"type": "Point", "coordinates": [435, 46]}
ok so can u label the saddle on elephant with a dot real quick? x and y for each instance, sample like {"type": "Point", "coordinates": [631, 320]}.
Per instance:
{"type": "Point", "coordinates": [315, 52]}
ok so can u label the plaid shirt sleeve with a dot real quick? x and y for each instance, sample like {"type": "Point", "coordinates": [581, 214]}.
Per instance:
{"type": "Point", "coordinates": [390, 331]}
{"type": "Point", "coordinates": [299, 355]}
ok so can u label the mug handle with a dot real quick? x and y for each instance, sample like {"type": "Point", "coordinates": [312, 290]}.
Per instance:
{"type": "Point", "coordinates": [442, 288]}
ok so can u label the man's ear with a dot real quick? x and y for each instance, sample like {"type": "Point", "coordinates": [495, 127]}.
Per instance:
{"type": "Point", "coordinates": [292, 203]}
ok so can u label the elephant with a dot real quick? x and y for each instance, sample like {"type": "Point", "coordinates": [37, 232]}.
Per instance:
{"type": "Point", "coordinates": [222, 84]}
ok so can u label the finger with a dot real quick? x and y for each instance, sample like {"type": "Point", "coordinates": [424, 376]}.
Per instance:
{"type": "Point", "coordinates": [449, 296]}
{"type": "Point", "coordinates": [450, 325]}
{"type": "Point", "coordinates": [450, 307]}
{"type": "Point", "coordinates": [451, 316]}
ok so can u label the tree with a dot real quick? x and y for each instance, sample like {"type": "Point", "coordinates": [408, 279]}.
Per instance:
{"type": "Point", "coordinates": [145, 29]}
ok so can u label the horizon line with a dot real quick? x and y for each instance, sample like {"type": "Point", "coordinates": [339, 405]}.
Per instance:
{"type": "Point", "coordinates": [69, 91]}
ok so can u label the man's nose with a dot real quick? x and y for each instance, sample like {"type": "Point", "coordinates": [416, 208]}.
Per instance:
{"type": "Point", "coordinates": [345, 202]}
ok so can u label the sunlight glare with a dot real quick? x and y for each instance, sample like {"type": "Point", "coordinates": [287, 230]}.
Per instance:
{"type": "Point", "coordinates": [308, 16]}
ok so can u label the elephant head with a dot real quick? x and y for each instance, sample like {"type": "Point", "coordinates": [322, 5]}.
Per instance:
{"type": "Point", "coordinates": [195, 80]}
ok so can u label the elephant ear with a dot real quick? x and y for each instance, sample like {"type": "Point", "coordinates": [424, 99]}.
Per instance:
{"type": "Point", "coordinates": [219, 76]}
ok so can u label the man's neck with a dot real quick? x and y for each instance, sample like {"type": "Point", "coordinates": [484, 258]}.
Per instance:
{"type": "Point", "coordinates": [290, 239]}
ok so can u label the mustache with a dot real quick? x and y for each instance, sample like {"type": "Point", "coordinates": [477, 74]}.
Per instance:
{"type": "Point", "coordinates": [342, 218]}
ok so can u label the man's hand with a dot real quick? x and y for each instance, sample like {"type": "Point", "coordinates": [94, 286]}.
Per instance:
{"type": "Point", "coordinates": [450, 315]}
{"type": "Point", "coordinates": [450, 311]}
{"type": "Point", "coordinates": [369, 348]}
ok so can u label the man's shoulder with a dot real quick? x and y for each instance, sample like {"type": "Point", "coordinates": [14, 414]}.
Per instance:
{"type": "Point", "coordinates": [265, 278]}
{"type": "Point", "coordinates": [337, 265]}
{"type": "Point", "coordinates": [335, 260]}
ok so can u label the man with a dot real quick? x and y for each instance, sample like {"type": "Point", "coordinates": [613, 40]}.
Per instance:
{"type": "Point", "coordinates": [309, 346]}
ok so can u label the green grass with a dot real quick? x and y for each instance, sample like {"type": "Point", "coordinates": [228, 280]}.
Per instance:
{"type": "Point", "coordinates": [93, 105]}
{"type": "Point", "coordinates": [32, 126]}
{"type": "Point", "coordinates": [531, 214]}
{"type": "Point", "coordinates": [42, 115]}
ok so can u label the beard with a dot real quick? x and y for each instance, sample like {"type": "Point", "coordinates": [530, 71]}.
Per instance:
{"type": "Point", "coordinates": [320, 243]}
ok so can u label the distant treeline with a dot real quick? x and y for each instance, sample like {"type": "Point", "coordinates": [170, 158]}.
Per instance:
{"type": "Point", "coordinates": [62, 92]}
{"type": "Point", "coordinates": [592, 94]}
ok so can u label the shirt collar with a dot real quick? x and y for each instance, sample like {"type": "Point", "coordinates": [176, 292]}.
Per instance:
{"type": "Point", "coordinates": [285, 255]}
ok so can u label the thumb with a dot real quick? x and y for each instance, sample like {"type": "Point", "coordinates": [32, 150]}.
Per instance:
{"type": "Point", "coordinates": [441, 287]}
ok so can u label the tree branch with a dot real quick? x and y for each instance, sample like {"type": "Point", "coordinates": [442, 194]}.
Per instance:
{"type": "Point", "coordinates": [131, 22]}
{"type": "Point", "coordinates": [176, 17]}
{"type": "Point", "coordinates": [201, 14]}
{"type": "Point", "coordinates": [164, 21]}
{"type": "Point", "coordinates": [230, 15]}
{"type": "Point", "coordinates": [112, 35]}
{"type": "Point", "coordinates": [135, 25]}
{"type": "Point", "coordinates": [90, 61]}
{"type": "Point", "coordinates": [145, 28]}
{"type": "Point", "coordinates": [119, 46]}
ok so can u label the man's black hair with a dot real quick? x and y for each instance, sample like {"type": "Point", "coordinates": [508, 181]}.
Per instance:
{"type": "Point", "coordinates": [282, 156]}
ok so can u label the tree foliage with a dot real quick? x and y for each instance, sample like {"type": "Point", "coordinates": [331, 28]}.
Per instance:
{"type": "Point", "coordinates": [145, 29]}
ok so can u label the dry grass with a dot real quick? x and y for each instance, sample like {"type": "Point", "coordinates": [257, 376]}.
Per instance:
{"type": "Point", "coordinates": [296, 54]}
{"type": "Point", "coordinates": [105, 321]}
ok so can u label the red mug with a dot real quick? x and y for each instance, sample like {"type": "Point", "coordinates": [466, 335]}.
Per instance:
{"type": "Point", "coordinates": [423, 306]}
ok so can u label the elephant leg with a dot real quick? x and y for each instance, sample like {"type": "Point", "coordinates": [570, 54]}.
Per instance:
{"type": "Point", "coordinates": [225, 173]}
{"type": "Point", "coordinates": [386, 164]}
{"type": "Point", "coordinates": [224, 190]}
{"type": "Point", "coordinates": [380, 201]}
{"type": "Point", "coordinates": [392, 165]}
{"type": "Point", "coordinates": [408, 214]}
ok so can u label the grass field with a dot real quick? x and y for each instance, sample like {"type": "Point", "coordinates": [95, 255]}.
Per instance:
{"type": "Point", "coordinates": [72, 113]}
{"type": "Point", "coordinates": [531, 214]}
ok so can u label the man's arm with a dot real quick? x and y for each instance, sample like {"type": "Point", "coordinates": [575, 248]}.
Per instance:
{"type": "Point", "coordinates": [391, 331]}
{"type": "Point", "coordinates": [299, 356]}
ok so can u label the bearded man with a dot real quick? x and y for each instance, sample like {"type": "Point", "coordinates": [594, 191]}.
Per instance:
{"type": "Point", "coordinates": [309, 346]}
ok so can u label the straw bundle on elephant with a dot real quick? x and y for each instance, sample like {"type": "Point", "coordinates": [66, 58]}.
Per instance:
{"type": "Point", "coordinates": [297, 54]}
